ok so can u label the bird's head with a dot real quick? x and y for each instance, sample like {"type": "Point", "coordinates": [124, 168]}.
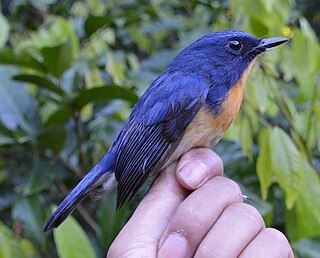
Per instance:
{"type": "Point", "coordinates": [223, 56]}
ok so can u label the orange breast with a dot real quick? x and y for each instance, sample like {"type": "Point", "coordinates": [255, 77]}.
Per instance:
{"type": "Point", "coordinates": [206, 129]}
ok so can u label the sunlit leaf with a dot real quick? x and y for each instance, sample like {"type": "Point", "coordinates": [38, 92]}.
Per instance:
{"type": "Point", "coordinates": [115, 68]}
{"type": "Point", "coordinates": [303, 220]}
{"type": "Point", "coordinates": [264, 168]}
{"type": "Point", "coordinates": [287, 165]}
{"type": "Point", "coordinates": [72, 241]}
{"type": "Point", "coordinates": [51, 34]}
{"type": "Point", "coordinates": [58, 58]}
{"type": "Point", "coordinates": [12, 247]}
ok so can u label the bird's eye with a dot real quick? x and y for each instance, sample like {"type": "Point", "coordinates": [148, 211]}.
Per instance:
{"type": "Point", "coordinates": [235, 45]}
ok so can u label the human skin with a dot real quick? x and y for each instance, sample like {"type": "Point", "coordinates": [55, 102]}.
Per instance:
{"type": "Point", "coordinates": [193, 211]}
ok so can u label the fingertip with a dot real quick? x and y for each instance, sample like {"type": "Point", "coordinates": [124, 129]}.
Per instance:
{"type": "Point", "coordinates": [197, 166]}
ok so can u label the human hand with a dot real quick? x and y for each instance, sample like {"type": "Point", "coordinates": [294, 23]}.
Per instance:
{"type": "Point", "coordinates": [192, 211]}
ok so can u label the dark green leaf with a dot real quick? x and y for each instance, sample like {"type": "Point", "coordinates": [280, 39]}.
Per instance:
{"type": "Point", "coordinates": [52, 137]}
{"type": "Point", "coordinates": [110, 220]}
{"type": "Point", "coordinates": [58, 58]}
{"type": "Point", "coordinates": [20, 58]}
{"type": "Point", "coordinates": [93, 23]}
{"type": "Point", "coordinates": [40, 81]}
{"type": "Point", "coordinates": [31, 212]}
{"type": "Point", "coordinates": [62, 115]}
{"type": "Point", "coordinates": [38, 180]}
{"type": "Point", "coordinates": [104, 93]}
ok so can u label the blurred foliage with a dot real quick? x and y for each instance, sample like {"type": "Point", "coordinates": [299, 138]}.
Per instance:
{"type": "Point", "coordinates": [70, 72]}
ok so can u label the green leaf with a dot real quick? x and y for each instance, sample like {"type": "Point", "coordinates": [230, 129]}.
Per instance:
{"type": "Point", "coordinates": [37, 180]}
{"type": "Point", "coordinates": [60, 116]}
{"type": "Point", "coordinates": [264, 170]}
{"type": "Point", "coordinates": [20, 58]}
{"type": "Point", "coordinates": [110, 220]}
{"type": "Point", "coordinates": [52, 137]}
{"type": "Point", "coordinates": [58, 58]}
{"type": "Point", "coordinates": [53, 32]}
{"type": "Point", "coordinates": [12, 247]}
{"type": "Point", "coordinates": [31, 212]}
{"type": "Point", "coordinates": [116, 68]}
{"type": "Point", "coordinates": [4, 30]}
{"type": "Point", "coordinates": [316, 109]}
{"type": "Point", "coordinates": [17, 107]}
{"type": "Point", "coordinates": [304, 219]}
{"type": "Point", "coordinates": [258, 28]}
{"type": "Point", "coordinates": [287, 165]}
{"type": "Point", "coordinates": [104, 93]}
{"type": "Point", "coordinates": [72, 241]}
{"type": "Point", "coordinates": [93, 23]}
{"type": "Point", "coordinates": [40, 81]}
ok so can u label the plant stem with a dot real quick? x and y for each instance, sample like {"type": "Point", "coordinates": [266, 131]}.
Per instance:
{"type": "Point", "coordinates": [81, 154]}
{"type": "Point", "coordinates": [313, 101]}
{"type": "Point", "coordinates": [84, 214]}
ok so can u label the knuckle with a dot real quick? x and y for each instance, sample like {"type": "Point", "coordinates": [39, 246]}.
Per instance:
{"type": "Point", "coordinates": [279, 239]}
{"type": "Point", "coordinates": [205, 251]}
{"type": "Point", "coordinates": [276, 235]}
{"type": "Point", "coordinates": [248, 212]}
{"type": "Point", "coordinates": [231, 189]}
{"type": "Point", "coordinates": [134, 249]}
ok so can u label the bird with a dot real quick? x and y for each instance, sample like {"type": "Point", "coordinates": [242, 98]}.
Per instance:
{"type": "Point", "coordinates": [191, 104]}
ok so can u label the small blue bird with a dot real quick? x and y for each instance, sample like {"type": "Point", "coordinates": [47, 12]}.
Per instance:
{"type": "Point", "coordinates": [189, 105]}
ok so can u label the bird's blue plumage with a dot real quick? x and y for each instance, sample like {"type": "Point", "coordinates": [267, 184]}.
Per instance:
{"type": "Point", "coordinates": [198, 81]}
{"type": "Point", "coordinates": [155, 127]}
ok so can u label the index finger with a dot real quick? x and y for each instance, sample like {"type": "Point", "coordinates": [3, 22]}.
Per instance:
{"type": "Point", "coordinates": [146, 226]}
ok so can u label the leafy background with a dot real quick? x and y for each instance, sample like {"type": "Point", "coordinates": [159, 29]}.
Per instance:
{"type": "Point", "coordinates": [70, 72]}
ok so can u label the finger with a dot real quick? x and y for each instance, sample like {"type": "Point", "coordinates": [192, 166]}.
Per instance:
{"type": "Point", "coordinates": [237, 226]}
{"type": "Point", "coordinates": [142, 232]}
{"type": "Point", "coordinates": [198, 212]}
{"type": "Point", "coordinates": [268, 243]}
{"type": "Point", "coordinates": [150, 219]}
{"type": "Point", "coordinates": [197, 166]}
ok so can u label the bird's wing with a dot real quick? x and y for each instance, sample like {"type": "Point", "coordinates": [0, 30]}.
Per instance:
{"type": "Point", "coordinates": [154, 128]}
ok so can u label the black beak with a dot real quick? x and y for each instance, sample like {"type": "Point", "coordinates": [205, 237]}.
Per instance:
{"type": "Point", "coordinates": [269, 43]}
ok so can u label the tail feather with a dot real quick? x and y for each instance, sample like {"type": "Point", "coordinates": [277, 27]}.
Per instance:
{"type": "Point", "coordinates": [69, 204]}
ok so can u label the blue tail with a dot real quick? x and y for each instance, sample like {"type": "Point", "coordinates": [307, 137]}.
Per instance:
{"type": "Point", "coordinates": [104, 167]}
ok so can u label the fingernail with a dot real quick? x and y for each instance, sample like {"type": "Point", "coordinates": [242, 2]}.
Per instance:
{"type": "Point", "coordinates": [174, 246]}
{"type": "Point", "coordinates": [192, 173]}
